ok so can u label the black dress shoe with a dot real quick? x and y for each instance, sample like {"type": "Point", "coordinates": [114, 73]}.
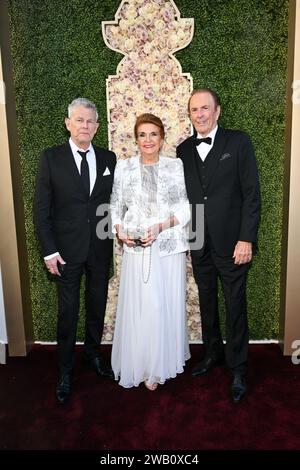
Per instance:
{"type": "Point", "coordinates": [63, 389]}
{"type": "Point", "coordinates": [202, 368]}
{"type": "Point", "coordinates": [238, 388]}
{"type": "Point", "coordinates": [97, 364]}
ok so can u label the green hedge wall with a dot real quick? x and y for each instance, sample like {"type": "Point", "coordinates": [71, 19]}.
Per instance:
{"type": "Point", "coordinates": [239, 49]}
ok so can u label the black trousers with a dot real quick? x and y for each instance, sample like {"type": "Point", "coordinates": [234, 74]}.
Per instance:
{"type": "Point", "coordinates": [207, 268]}
{"type": "Point", "coordinates": [96, 286]}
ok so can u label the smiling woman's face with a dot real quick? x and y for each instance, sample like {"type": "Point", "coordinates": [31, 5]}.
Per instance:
{"type": "Point", "coordinates": [149, 140]}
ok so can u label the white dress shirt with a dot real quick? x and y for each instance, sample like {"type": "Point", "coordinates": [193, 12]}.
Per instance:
{"type": "Point", "coordinates": [90, 158]}
{"type": "Point", "coordinates": [203, 148]}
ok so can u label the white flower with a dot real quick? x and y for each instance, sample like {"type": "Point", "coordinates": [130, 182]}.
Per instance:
{"type": "Point", "coordinates": [147, 48]}
{"type": "Point", "coordinates": [123, 24]}
{"type": "Point", "coordinates": [114, 30]}
{"type": "Point", "coordinates": [156, 88]}
{"type": "Point", "coordinates": [121, 86]}
{"type": "Point", "coordinates": [129, 44]}
{"type": "Point", "coordinates": [159, 24]}
{"type": "Point", "coordinates": [181, 34]}
{"type": "Point", "coordinates": [172, 40]}
{"type": "Point", "coordinates": [131, 13]}
{"type": "Point", "coordinates": [134, 56]}
{"type": "Point", "coordinates": [108, 336]}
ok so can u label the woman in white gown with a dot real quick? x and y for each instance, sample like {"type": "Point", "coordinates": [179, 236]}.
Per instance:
{"type": "Point", "coordinates": [150, 215]}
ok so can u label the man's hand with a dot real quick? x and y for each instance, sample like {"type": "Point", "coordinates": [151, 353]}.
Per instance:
{"type": "Point", "coordinates": [242, 252]}
{"type": "Point", "coordinates": [52, 266]}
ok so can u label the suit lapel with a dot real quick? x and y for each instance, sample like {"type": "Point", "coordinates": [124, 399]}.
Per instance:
{"type": "Point", "coordinates": [100, 168]}
{"type": "Point", "coordinates": [69, 163]}
{"type": "Point", "coordinates": [213, 157]}
{"type": "Point", "coordinates": [194, 169]}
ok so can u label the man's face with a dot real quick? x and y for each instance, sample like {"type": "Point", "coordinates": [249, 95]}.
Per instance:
{"type": "Point", "coordinates": [204, 114]}
{"type": "Point", "coordinates": [82, 126]}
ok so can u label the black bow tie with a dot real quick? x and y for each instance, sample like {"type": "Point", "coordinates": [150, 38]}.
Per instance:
{"type": "Point", "coordinates": [206, 140]}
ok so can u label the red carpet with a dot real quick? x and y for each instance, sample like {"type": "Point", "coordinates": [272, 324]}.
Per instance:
{"type": "Point", "coordinates": [186, 413]}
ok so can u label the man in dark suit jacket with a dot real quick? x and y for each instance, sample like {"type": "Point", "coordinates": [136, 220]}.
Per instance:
{"type": "Point", "coordinates": [74, 179]}
{"type": "Point", "coordinates": [221, 173]}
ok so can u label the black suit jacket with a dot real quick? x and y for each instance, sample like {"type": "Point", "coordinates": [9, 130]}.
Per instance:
{"type": "Point", "coordinates": [232, 196]}
{"type": "Point", "coordinates": [65, 215]}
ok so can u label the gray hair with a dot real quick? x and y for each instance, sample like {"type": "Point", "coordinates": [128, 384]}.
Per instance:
{"type": "Point", "coordinates": [82, 102]}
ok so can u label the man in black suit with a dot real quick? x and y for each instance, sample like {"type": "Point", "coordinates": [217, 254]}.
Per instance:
{"type": "Point", "coordinates": [74, 180]}
{"type": "Point", "coordinates": [221, 173]}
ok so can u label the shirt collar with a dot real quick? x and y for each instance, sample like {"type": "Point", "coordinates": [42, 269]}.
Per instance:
{"type": "Point", "coordinates": [75, 148]}
{"type": "Point", "coordinates": [212, 134]}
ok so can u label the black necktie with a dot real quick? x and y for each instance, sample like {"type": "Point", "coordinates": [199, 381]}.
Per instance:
{"type": "Point", "coordinates": [206, 140]}
{"type": "Point", "coordinates": [84, 171]}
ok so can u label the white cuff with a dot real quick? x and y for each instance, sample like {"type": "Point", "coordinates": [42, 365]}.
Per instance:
{"type": "Point", "coordinates": [46, 258]}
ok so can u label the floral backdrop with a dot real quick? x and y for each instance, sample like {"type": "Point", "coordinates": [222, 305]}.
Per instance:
{"type": "Point", "coordinates": [149, 79]}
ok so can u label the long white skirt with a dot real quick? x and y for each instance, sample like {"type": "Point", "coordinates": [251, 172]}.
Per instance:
{"type": "Point", "coordinates": [150, 340]}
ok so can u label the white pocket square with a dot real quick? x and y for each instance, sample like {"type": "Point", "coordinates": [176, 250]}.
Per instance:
{"type": "Point", "coordinates": [106, 172]}
{"type": "Point", "coordinates": [225, 156]}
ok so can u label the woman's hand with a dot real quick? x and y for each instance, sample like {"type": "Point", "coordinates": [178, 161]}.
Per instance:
{"type": "Point", "coordinates": [123, 237]}
{"type": "Point", "coordinates": [152, 233]}
{"type": "Point", "coordinates": [154, 230]}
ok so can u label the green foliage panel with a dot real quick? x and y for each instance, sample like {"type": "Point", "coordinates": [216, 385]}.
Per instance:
{"type": "Point", "coordinates": [239, 49]}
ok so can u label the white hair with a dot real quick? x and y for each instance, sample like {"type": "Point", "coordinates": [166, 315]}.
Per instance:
{"type": "Point", "coordinates": [82, 102]}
